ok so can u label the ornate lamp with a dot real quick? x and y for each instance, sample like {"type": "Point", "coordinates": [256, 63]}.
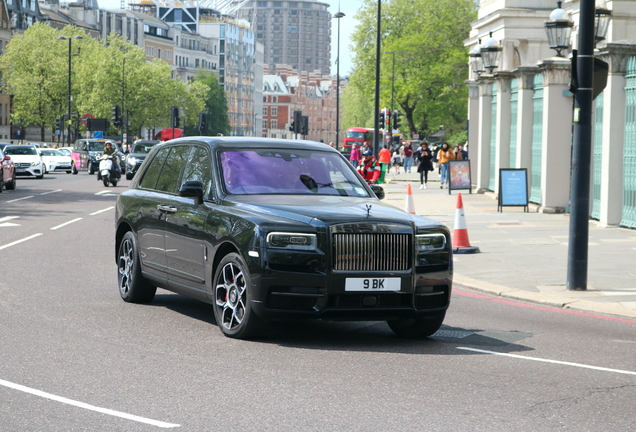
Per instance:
{"type": "Point", "coordinates": [601, 22]}
{"type": "Point", "coordinates": [476, 61]}
{"type": "Point", "coordinates": [559, 29]}
{"type": "Point", "coordinates": [490, 52]}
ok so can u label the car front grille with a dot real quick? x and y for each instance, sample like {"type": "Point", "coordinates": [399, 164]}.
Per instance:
{"type": "Point", "coordinates": [23, 165]}
{"type": "Point", "coordinates": [371, 252]}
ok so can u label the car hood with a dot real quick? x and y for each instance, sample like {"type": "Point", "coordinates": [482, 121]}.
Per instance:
{"type": "Point", "coordinates": [25, 158]}
{"type": "Point", "coordinates": [137, 156]}
{"type": "Point", "coordinates": [327, 209]}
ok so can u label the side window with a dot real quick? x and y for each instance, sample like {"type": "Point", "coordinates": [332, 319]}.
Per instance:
{"type": "Point", "coordinates": [152, 173]}
{"type": "Point", "coordinates": [171, 170]}
{"type": "Point", "coordinates": [198, 168]}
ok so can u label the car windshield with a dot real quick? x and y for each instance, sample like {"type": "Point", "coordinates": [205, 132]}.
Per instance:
{"type": "Point", "coordinates": [95, 146]}
{"type": "Point", "coordinates": [51, 153]}
{"type": "Point", "coordinates": [20, 150]}
{"type": "Point", "coordinates": [272, 171]}
{"type": "Point", "coordinates": [142, 148]}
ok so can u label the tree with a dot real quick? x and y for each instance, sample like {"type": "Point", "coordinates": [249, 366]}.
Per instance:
{"type": "Point", "coordinates": [33, 74]}
{"type": "Point", "coordinates": [215, 109]}
{"type": "Point", "coordinates": [430, 59]}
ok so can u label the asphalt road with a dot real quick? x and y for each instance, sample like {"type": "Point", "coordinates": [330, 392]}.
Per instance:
{"type": "Point", "coordinates": [75, 357]}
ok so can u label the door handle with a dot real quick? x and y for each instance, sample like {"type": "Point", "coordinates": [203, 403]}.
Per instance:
{"type": "Point", "coordinates": [166, 208]}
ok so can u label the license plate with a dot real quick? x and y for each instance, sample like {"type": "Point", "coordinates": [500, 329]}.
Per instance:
{"type": "Point", "coordinates": [372, 284]}
{"type": "Point", "coordinates": [20, 170]}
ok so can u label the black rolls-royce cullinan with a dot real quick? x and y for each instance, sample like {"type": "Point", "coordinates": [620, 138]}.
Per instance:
{"type": "Point", "coordinates": [267, 229]}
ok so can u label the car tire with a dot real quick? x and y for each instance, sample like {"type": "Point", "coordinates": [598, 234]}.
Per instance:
{"type": "Point", "coordinates": [133, 287]}
{"type": "Point", "coordinates": [129, 176]}
{"type": "Point", "coordinates": [11, 186]}
{"type": "Point", "coordinates": [73, 168]}
{"type": "Point", "coordinates": [68, 172]}
{"type": "Point", "coordinates": [40, 177]}
{"type": "Point", "coordinates": [232, 300]}
{"type": "Point", "coordinates": [90, 168]}
{"type": "Point", "coordinates": [415, 328]}
{"type": "Point", "coordinates": [2, 181]}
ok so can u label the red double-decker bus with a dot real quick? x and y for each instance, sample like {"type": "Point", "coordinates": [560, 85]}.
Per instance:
{"type": "Point", "coordinates": [357, 136]}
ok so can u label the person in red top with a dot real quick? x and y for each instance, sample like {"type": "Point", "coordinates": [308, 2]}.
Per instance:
{"type": "Point", "coordinates": [370, 169]}
{"type": "Point", "coordinates": [385, 155]}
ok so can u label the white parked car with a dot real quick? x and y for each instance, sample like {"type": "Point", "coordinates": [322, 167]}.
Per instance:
{"type": "Point", "coordinates": [54, 160]}
{"type": "Point", "coordinates": [27, 160]}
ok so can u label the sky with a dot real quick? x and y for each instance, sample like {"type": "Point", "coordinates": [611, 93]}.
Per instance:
{"type": "Point", "coordinates": [347, 26]}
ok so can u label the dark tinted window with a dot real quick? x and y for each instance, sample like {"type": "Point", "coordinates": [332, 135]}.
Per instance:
{"type": "Point", "coordinates": [198, 168]}
{"type": "Point", "coordinates": [152, 173]}
{"type": "Point", "coordinates": [20, 150]}
{"type": "Point", "coordinates": [171, 170]}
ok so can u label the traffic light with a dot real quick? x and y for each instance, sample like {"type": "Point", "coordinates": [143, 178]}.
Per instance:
{"type": "Point", "coordinates": [202, 125]}
{"type": "Point", "coordinates": [382, 120]}
{"type": "Point", "coordinates": [304, 127]}
{"type": "Point", "coordinates": [58, 124]}
{"type": "Point", "coordinates": [116, 116]}
{"type": "Point", "coordinates": [396, 119]}
{"type": "Point", "coordinates": [174, 114]}
{"type": "Point", "coordinates": [298, 120]}
{"type": "Point", "coordinates": [292, 126]}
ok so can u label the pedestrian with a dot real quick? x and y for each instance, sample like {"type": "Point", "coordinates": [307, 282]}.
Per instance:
{"type": "Point", "coordinates": [354, 157]}
{"type": "Point", "coordinates": [384, 157]}
{"type": "Point", "coordinates": [444, 155]}
{"type": "Point", "coordinates": [424, 163]}
{"type": "Point", "coordinates": [370, 169]}
{"type": "Point", "coordinates": [408, 157]}
{"type": "Point", "coordinates": [331, 144]}
{"type": "Point", "coordinates": [396, 161]}
{"type": "Point", "coordinates": [462, 151]}
{"type": "Point", "coordinates": [457, 153]}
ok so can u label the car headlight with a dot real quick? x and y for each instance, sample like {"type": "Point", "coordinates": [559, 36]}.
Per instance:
{"type": "Point", "coordinates": [429, 242]}
{"type": "Point", "coordinates": [35, 163]}
{"type": "Point", "coordinates": [296, 241]}
{"type": "Point", "coordinates": [132, 161]}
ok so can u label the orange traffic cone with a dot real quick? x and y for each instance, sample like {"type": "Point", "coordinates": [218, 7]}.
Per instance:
{"type": "Point", "coordinates": [461, 244]}
{"type": "Point", "coordinates": [410, 205]}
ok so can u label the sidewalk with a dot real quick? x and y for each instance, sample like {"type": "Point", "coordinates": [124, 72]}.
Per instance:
{"type": "Point", "coordinates": [524, 255]}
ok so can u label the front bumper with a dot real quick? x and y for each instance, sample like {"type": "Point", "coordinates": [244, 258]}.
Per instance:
{"type": "Point", "coordinates": [293, 286]}
{"type": "Point", "coordinates": [55, 167]}
{"type": "Point", "coordinates": [35, 171]}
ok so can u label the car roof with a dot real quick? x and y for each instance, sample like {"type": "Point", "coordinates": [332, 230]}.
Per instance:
{"type": "Point", "coordinates": [255, 143]}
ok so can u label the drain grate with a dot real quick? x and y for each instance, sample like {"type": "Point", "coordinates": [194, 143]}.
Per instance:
{"type": "Point", "coordinates": [453, 334]}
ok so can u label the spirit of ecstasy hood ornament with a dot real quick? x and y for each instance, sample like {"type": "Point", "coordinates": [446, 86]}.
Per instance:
{"type": "Point", "coordinates": [368, 210]}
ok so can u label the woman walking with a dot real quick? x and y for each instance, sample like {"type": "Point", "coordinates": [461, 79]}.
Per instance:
{"type": "Point", "coordinates": [444, 155]}
{"type": "Point", "coordinates": [424, 163]}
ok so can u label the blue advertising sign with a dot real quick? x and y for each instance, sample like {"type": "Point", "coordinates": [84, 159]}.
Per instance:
{"type": "Point", "coordinates": [513, 187]}
{"type": "Point", "coordinates": [98, 134]}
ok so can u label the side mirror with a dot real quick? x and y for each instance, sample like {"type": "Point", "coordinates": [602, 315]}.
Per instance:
{"type": "Point", "coordinates": [192, 189]}
{"type": "Point", "coordinates": [378, 191]}
{"type": "Point", "coordinates": [7, 157]}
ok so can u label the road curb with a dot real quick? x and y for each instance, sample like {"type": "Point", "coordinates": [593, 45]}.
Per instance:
{"type": "Point", "coordinates": [542, 298]}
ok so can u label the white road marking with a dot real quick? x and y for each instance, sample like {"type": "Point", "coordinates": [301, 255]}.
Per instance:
{"type": "Point", "coordinates": [67, 223]}
{"type": "Point", "coordinates": [102, 211]}
{"type": "Point", "coordinates": [102, 192]}
{"type": "Point", "coordinates": [50, 192]}
{"type": "Point", "coordinates": [87, 406]}
{"type": "Point", "coordinates": [20, 199]}
{"type": "Point", "coordinates": [8, 224]}
{"type": "Point", "coordinates": [550, 361]}
{"type": "Point", "coordinates": [8, 218]}
{"type": "Point", "coordinates": [20, 241]}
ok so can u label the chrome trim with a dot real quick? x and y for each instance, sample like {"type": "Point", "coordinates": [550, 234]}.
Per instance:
{"type": "Point", "coordinates": [371, 252]}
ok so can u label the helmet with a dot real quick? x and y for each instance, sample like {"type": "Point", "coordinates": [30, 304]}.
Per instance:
{"type": "Point", "coordinates": [368, 153]}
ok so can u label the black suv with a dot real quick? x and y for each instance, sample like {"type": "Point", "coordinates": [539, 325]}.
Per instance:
{"type": "Point", "coordinates": [269, 229]}
{"type": "Point", "coordinates": [135, 158]}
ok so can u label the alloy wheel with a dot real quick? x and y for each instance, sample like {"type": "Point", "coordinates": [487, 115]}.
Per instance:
{"type": "Point", "coordinates": [125, 264]}
{"type": "Point", "coordinates": [231, 296]}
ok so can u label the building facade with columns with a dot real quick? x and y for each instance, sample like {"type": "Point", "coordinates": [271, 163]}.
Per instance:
{"type": "Point", "coordinates": [521, 112]}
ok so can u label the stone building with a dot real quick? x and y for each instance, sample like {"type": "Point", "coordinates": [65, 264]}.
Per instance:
{"type": "Point", "coordinates": [520, 113]}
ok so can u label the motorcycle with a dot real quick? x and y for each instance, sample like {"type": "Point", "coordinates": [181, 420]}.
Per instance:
{"type": "Point", "coordinates": [108, 170]}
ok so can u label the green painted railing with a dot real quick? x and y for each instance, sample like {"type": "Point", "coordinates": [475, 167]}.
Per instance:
{"type": "Point", "coordinates": [629, 152]}
{"type": "Point", "coordinates": [514, 108]}
{"type": "Point", "coordinates": [537, 139]}
{"type": "Point", "coordinates": [597, 157]}
{"type": "Point", "coordinates": [493, 137]}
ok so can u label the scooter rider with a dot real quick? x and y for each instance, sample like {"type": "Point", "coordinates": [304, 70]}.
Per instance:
{"type": "Point", "coordinates": [111, 151]}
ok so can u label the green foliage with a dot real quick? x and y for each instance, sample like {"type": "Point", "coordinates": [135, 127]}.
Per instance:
{"type": "Point", "coordinates": [429, 64]}
{"type": "Point", "coordinates": [103, 75]}
{"type": "Point", "coordinates": [215, 106]}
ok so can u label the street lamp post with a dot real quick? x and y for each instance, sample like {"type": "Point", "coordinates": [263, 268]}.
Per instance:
{"type": "Point", "coordinates": [70, 98]}
{"type": "Point", "coordinates": [376, 123]}
{"type": "Point", "coordinates": [392, 80]}
{"type": "Point", "coordinates": [123, 86]}
{"type": "Point", "coordinates": [490, 52]}
{"type": "Point", "coordinates": [338, 16]}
